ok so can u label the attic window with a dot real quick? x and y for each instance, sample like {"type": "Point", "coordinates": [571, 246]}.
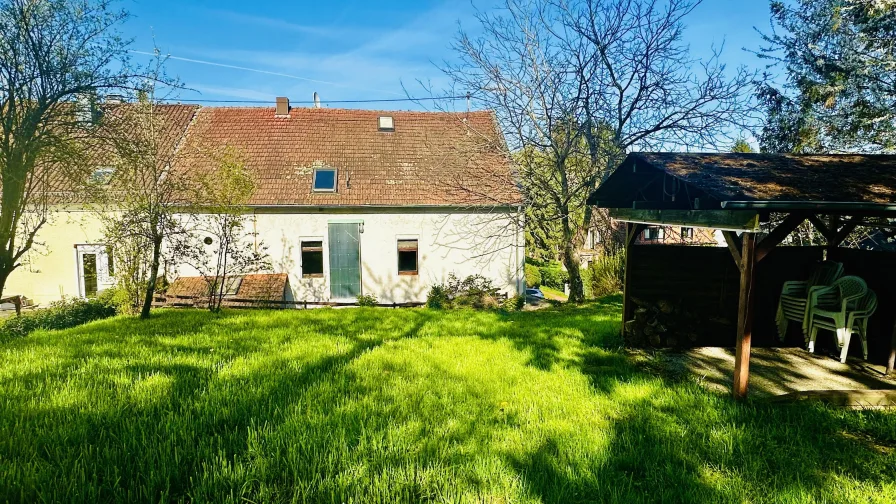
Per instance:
{"type": "Point", "coordinates": [324, 180]}
{"type": "Point", "coordinates": [102, 175]}
{"type": "Point", "coordinates": [386, 123]}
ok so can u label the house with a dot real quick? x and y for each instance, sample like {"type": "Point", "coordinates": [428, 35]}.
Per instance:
{"type": "Point", "coordinates": [347, 202]}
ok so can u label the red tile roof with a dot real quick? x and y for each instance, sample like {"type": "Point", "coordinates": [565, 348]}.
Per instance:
{"type": "Point", "coordinates": [429, 159]}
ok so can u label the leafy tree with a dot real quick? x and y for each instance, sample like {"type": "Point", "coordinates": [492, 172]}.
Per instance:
{"type": "Point", "coordinates": [577, 84]}
{"type": "Point", "coordinates": [56, 58]}
{"type": "Point", "coordinates": [839, 62]}
{"type": "Point", "coordinates": [140, 205]}
{"type": "Point", "coordinates": [742, 146]}
{"type": "Point", "coordinates": [220, 246]}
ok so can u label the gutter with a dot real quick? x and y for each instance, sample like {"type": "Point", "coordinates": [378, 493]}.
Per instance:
{"type": "Point", "coordinates": [834, 206]}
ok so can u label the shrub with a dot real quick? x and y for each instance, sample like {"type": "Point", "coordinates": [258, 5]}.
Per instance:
{"type": "Point", "coordinates": [474, 291]}
{"type": "Point", "coordinates": [438, 297]}
{"type": "Point", "coordinates": [533, 276]}
{"type": "Point", "coordinates": [607, 274]}
{"type": "Point", "coordinates": [63, 314]}
{"type": "Point", "coordinates": [513, 303]}
{"type": "Point", "coordinates": [368, 300]}
{"type": "Point", "coordinates": [554, 276]}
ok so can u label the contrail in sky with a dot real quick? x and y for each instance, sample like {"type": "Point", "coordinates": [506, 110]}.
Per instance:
{"type": "Point", "coordinates": [256, 70]}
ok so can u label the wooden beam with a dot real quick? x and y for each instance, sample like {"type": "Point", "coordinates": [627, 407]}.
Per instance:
{"type": "Point", "coordinates": [891, 362]}
{"type": "Point", "coordinates": [821, 227]}
{"type": "Point", "coordinates": [778, 235]}
{"type": "Point", "coordinates": [661, 205]}
{"type": "Point", "coordinates": [631, 233]}
{"type": "Point", "coordinates": [733, 220]}
{"type": "Point", "coordinates": [733, 242]}
{"type": "Point", "coordinates": [744, 317]}
{"type": "Point", "coordinates": [843, 232]}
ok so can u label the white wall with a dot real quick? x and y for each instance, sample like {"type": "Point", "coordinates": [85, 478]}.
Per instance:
{"type": "Point", "coordinates": [464, 243]}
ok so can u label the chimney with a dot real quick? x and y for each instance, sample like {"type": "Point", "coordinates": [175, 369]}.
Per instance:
{"type": "Point", "coordinates": [282, 107]}
{"type": "Point", "coordinates": [316, 98]}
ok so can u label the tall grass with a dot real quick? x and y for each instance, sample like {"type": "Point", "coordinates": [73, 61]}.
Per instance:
{"type": "Point", "coordinates": [606, 274]}
{"type": "Point", "coordinates": [376, 405]}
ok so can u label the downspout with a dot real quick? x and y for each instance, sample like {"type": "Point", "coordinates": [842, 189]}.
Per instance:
{"type": "Point", "coordinates": [521, 270]}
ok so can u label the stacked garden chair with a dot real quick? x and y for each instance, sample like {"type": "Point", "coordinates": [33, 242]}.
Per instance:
{"type": "Point", "coordinates": [794, 301]}
{"type": "Point", "coordinates": [843, 308]}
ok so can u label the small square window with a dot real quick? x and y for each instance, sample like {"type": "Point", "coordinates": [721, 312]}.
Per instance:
{"type": "Point", "coordinates": [687, 232]}
{"type": "Point", "coordinates": [102, 175]}
{"type": "Point", "coordinates": [386, 123]}
{"type": "Point", "coordinates": [325, 179]}
{"type": "Point", "coordinates": [232, 285]}
{"type": "Point", "coordinates": [312, 259]}
{"type": "Point", "coordinates": [407, 257]}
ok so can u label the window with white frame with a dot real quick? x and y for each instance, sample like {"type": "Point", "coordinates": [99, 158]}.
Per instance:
{"type": "Point", "coordinates": [653, 233]}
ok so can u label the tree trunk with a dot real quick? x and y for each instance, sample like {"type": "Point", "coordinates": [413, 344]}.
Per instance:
{"type": "Point", "coordinates": [4, 275]}
{"type": "Point", "coordinates": [572, 263]}
{"type": "Point", "coordinates": [153, 277]}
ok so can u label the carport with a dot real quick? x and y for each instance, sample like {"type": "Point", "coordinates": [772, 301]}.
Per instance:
{"type": "Point", "coordinates": [756, 201]}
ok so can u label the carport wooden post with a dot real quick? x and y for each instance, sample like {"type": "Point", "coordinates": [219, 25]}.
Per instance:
{"type": "Point", "coordinates": [891, 361]}
{"type": "Point", "coordinates": [744, 316]}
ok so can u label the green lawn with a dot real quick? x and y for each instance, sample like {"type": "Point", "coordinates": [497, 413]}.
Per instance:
{"type": "Point", "coordinates": [379, 405]}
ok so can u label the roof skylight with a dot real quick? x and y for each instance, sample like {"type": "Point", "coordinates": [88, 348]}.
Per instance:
{"type": "Point", "coordinates": [324, 180]}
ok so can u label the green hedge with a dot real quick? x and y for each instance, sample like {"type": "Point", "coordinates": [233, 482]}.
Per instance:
{"type": "Point", "coordinates": [533, 276]}
{"type": "Point", "coordinates": [59, 315]}
{"type": "Point", "coordinates": [554, 276]}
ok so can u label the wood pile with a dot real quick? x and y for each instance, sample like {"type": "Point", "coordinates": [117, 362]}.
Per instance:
{"type": "Point", "coordinates": [666, 324]}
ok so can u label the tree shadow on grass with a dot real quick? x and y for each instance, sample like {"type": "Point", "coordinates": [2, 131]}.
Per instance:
{"type": "Point", "coordinates": [403, 405]}
{"type": "Point", "coordinates": [205, 388]}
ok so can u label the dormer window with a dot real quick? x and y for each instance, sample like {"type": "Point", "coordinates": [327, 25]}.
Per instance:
{"type": "Point", "coordinates": [102, 175]}
{"type": "Point", "coordinates": [324, 180]}
{"type": "Point", "coordinates": [386, 123]}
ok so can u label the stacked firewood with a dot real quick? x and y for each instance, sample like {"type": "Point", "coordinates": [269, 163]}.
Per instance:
{"type": "Point", "coordinates": [662, 324]}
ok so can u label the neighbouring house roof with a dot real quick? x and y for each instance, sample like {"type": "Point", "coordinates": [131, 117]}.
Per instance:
{"type": "Point", "coordinates": [846, 178]}
{"type": "Point", "coordinates": [430, 158]}
{"type": "Point", "coordinates": [73, 184]}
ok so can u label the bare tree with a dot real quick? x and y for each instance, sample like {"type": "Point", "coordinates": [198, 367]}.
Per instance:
{"type": "Point", "coordinates": [220, 247]}
{"type": "Point", "coordinates": [57, 57]}
{"type": "Point", "coordinates": [576, 84]}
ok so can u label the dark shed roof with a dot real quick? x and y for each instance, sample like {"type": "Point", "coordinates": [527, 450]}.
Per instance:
{"type": "Point", "coordinates": [849, 178]}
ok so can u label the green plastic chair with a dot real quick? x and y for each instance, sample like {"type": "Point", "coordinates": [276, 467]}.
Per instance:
{"type": "Point", "coordinates": [845, 323]}
{"type": "Point", "coordinates": [831, 308]}
{"type": "Point", "coordinates": [794, 301]}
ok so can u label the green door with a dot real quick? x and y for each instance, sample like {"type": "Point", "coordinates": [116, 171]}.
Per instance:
{"type": "Point", "coordinates": [345, 260]}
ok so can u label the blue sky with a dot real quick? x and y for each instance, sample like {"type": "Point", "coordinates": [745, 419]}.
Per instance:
{"type": "Point", "coordinates": [352, 49]}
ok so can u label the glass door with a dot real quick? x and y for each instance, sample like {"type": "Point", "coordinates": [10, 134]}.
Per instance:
{"type": "Point", "coordinates": [95, 269]}
{"type": "Point", "coordinates": [345, 260]}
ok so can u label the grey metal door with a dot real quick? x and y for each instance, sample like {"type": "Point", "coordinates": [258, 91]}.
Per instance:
{"type": "Point", "coordinates": [345, 260]}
